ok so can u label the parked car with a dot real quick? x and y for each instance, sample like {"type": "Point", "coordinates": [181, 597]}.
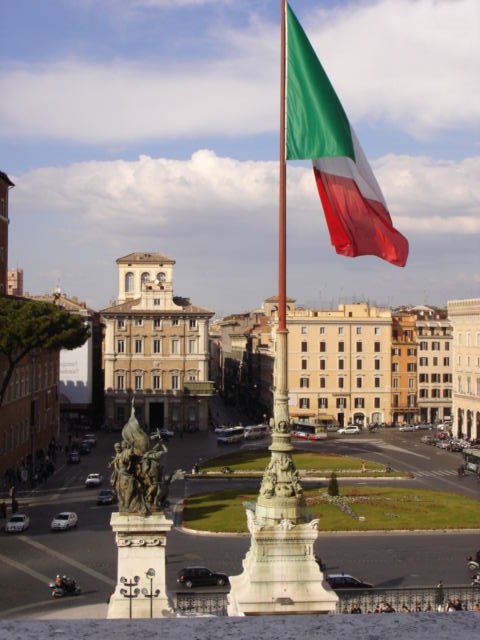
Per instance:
{"type": "Point", "coordinates": [201, 577]}
{"type": "Point", "coordinates": [351, 428]}
{"type": "Point", "coordinates": [332, 427]}
{"type": "Point", "coordinates": [408, 427]}
{"type": "Point", "coordinates": [18, 522]}
{"type": "Point", "coordinates": [340, 581]}
{"type": "Point", "coordinates": [166, 433]}
{"type": "Point", "coordinates": [424, 426]}
{"type": "Point", "coordinates": [64, 520]}
{"type": "Point", "coordinates": [93, 480]}
{"type": "Point", "coordinates": [443, 444]}
{"type": "Point", "coordinates": [90, 437]}
{"type": "Point", "coordinates": [106, 496]}
{"type": "Point", "coordinates": [84, 447]}
{"type": "Point", "coordinates": [73, 457]}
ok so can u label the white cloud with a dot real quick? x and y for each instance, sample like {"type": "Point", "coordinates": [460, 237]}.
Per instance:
{"type": "Point", "coordinates": [412, 63]}
{"type": "Point", "coordinates": [208, 192]}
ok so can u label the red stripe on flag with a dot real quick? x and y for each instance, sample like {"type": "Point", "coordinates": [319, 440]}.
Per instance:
{"type": "Point", "coordinates": [359, 226]}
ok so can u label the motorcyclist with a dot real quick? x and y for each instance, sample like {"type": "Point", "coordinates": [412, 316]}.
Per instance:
{"type": "Point", "coordinates": [58, 581]}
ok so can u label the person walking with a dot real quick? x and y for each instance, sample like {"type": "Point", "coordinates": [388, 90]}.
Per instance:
{"type": "Point", "coordinates": [3, 509]}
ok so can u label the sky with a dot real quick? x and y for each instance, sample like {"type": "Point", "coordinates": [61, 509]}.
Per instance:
{"type": "Point", "coordinates": [153, 125]}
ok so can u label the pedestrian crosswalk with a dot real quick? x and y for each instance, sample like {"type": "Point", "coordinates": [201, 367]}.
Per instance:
{"type": "Point", "coordinates": [436, 473]}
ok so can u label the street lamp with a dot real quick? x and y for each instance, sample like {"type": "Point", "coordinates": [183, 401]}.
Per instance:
{"type": "Point", "coordinates": [131, 593]}
{"type": "Point", "coordinates": [150, 573]}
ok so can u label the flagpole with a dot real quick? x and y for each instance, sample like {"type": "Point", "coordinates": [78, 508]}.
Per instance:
{"type": "Point", "coordinates": [281, 385]}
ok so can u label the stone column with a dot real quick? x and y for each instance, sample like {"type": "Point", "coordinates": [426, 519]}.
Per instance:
{"type": "Point", "coordinates": [141, 542]}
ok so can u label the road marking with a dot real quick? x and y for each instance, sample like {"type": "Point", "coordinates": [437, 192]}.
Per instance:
{"type": "Point", "coordinates": [26, 569]}
{"type": "Point", "coordinates": [64, 558]}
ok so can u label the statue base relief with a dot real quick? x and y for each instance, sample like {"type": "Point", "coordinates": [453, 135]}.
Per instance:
{"type": "Point", "coordinates": [280, 574]}
{"type": "Point", "coordinates": [141, 542]}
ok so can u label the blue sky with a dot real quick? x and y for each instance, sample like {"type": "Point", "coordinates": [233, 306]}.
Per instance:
{"type": "Point", "coordinates": [132, 125]}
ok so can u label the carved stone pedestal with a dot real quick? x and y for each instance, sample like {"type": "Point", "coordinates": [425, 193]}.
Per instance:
{"type": "Point", "coordinates": [280, 575]}
{"type": "Point", "coordinates": [141, 542]}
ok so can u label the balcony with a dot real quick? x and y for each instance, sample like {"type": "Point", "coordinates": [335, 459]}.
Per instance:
{"type": "Point", "coordinates": [199, 388]}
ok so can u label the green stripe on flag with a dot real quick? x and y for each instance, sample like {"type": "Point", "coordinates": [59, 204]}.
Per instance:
{"type": "Point", "coordinates": [317, 125]}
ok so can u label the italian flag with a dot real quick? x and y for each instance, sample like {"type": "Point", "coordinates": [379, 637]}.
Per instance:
{"type": "Point", "coordinates": [318, 128]}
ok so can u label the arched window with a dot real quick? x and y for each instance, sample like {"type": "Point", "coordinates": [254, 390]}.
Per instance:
{"type": "Point", "coordinates": [161, 277]}
{"type": "Point", "coordinates": [145, 277]}
{"type": "Point", "coordinates": [129, 282]}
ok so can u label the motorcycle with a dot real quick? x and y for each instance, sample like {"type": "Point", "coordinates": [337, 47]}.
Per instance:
{"type": "Point", "coordinates": [66, 588]}
{"type": "Point", "coordinates": [476, 580]}
{"type": "Point", "coordinates": [472, 564]}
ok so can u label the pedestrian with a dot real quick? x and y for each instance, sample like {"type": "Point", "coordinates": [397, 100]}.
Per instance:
{"type": "Point", "coordinates": [355, 608]}
{"type": "Point", "coordinates": [14, 505]}
{"type": "Point", "coordinates": [3, 509]}
{"type": "Point", "coordinates": [439, 596]}
{"type": "Point", "coordinates": [364, 467]}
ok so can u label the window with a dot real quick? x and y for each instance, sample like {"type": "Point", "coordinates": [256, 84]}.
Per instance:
{"type": "Point", "coordinates": [138, 381]}
{"type": "Point", "coordinates": [129, 282]}
{"type": "Point", "coordinates": [396, 383]}
{"type": "Point", "coordinates": [447, 377]}
{"type": "Point", "coordinates": [376, 347]}
{"type": "Point", "coordinates": [192, 324]}
{"type": "Point", "coordinates": [323, 364]}
{"type": "Point", "coordinates": [175, 381]}
{"type": "Point", "coordinates": [376, 403]}
{"type": "Point", "coordinates": [323, 346]}
{"type": "Point", "coordinates": [359, 363]}
{"type": "Point", "coordinates": [192, 345]}
{"type": "Point", "coordinates": [423, 362]}
{"type": "Point", "coordinates": [341, 403]}
{"type": "Point", "coordinates": [138, 345]}
{"type": "Point", "coordinates": [157, 323]}
{"type": "Point", "coordinates": [120, 346]}
{"type": "Point", "coordinates": [161, 277]}
{"type": "Point", "coordinates": [144, 278]}
{"type": "Point", "coordinates": [304, 364]}
{"type": "Point", "coordinates": [423, 377]}
{"type": "Point", "coordinates": [341, 331]}
{"type": "Point", "coordinates": [447, 393]}
{"type": "Point", "coordinates": [359, 347]}
{"type": "Point", "coordinates": [157, 382]}
{"type": "Point", "coordinates": [377, 331]}
{"type": "Point", "coordinates": [341, 382]}
{"type": "Point", "coordinates": [304, 383]}
{"type": "Point", "coordinates": [411, 351]}
{"type": "Point", "coordinates": [459, 339]}
{"type": "Point", "coordinates": [303, 330]}
{"type": "Point", "coordinates": [323, 383]}
{"type": "Point", "coordinates": [376, 364]}
{"type": "Point", "coordinates": [411, 400]}
{"type": "Point", "coordinates": [435, 362]}
{"type": "Point", "coordinates": [435, 393]}
{"type": "Point", "coordinates": [435, 377]}
{"type": "Point", "coordinates": [359, 403]}
{"type": "Point", "coordinates": [175, 322]}
{"type": "Point", "coordinates": [446, 362]}
{"type": "Point", "coordinates": [120, 382]}
{"type": "Point", "coordinates": [358, 331]}
{"type": "Point", "coordinates": [359, 383]}
{"type": "Point", "coordinates": [323, 403]}
{"type": "Point", "coordinates": [423, 346]}
{"type": "Point", "coordinates": [304, 403]}
{"type": "Point", "coordinates": [121, 324]}
{"type": "Point", "coordinates": [192, 376]}
{"type": "Point", "coordinates": [138, 322]}
{"type": "Point", "coordinates": [175, 346]}
{"type": "Point", "coordinates": [423, 393]}
{"type": "Point", "coordinates": [322, 331]}
{"type": "Point", "coordinates": [376, 381]}
{"type": "Point", "coordinates": [304, 347]}
{"type": "Point", "coordinates": [408, 334]}
{"type": "Point", "coordinates": [435, 345]}
{"type": "Point", "coordinates": [411, 367]}
{"type": "Point", "coordinates": [341, 363]}
{"type": "Point", "coordinates": [157, 346]}
{"type": "Point", "coordinates": [411, 383]}
{"type": "Point", "coordinates": [467, 339]}
{"type": "Point", "coordinates": [395, 399]}
{"type": "Point", "coordinates": [341, 347]}
{"type": "Point", "coordinates": [395, 351]}
{"type": "Point", "coordinates": [395, 366]}
{"type": "Point", "coordinates": [157, 302]}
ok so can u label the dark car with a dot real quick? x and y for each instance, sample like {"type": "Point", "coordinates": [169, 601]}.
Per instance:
{"type": "Point", "coordinates": [106, 496]}
{"type": "Point", "coordinates": [73, 457]}
{"type": "Point", "coordinates": [344, 581]}
{"type": "Point", "coordinates": [201, 577]}
{"type": "Point", "coordinates": [84, 448]}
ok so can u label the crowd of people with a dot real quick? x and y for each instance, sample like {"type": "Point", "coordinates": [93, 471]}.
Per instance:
{"type": "Point", "coordinates": [449, 605]}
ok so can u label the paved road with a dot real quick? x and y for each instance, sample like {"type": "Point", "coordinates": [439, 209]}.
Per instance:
{"type": "Point", "coordinates": [89, 552]}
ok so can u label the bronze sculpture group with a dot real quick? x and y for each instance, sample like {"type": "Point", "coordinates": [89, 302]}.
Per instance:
{"type": "Point", "coordinates": [138, 471]}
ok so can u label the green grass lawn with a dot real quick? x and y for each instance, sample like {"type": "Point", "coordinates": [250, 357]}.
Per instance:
{"type": "Point", "coordinates": [383, 509]}
{"type": "Point", "coordinates": [258, 460]}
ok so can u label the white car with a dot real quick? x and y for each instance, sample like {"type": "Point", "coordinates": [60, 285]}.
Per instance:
{"type": "Point", "coordinates": [408, 427]}
{"type": "Point", "coordinates": [18, 522]}
{"type": "Point", "coordinates": [64, 520]}
{"type": "Point", "coordinates": [93, 480]}
{"type": "Point", "coordinates": [351, 428]}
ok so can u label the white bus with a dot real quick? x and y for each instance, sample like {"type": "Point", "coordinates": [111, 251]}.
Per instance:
{"type": "Point", "coordinates": [308, 431]}
{"type": "Point", "coordinates": [230, 435]}
{"type": "Point", "coordinates": [471, 460]}
{"type": "Point", "coordinates": [257, 432]}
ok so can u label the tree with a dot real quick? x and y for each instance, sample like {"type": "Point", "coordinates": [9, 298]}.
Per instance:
{"type": "Point", "coordinates": [332, 489]}
{"type": "Point", "coordinates": [26, 325]}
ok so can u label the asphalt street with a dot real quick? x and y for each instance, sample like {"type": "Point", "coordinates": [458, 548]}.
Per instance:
{"type": "Point", "coordinates": [88, 553]}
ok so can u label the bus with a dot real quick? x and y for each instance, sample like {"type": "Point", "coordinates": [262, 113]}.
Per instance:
{"type": "Point", "coordinates": [471, 460]}
{"type": "Point", "coordinates": [308, 431]}
{"type": "Point", "coordinates": [257, 432]}
{"type": "Point", "coordinates": [230, 435]}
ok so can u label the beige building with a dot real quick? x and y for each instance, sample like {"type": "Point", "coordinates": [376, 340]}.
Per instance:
{"type": "Point", "coordinates": [15, 282]}
{"type": "Point", "coordinates": [339, 363]}
{"type": "Point", "coordinates": [155, 347]}
{"type": "Point", "coordinates": [404, 369]}
{"type": "Point", "coordinates": [465, 318]}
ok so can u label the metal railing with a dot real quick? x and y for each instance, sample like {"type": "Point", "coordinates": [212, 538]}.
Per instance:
{"type": "Point", "coordinates": [407, 599]}
{"type": "Point", "coordinates": [201, 604]}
